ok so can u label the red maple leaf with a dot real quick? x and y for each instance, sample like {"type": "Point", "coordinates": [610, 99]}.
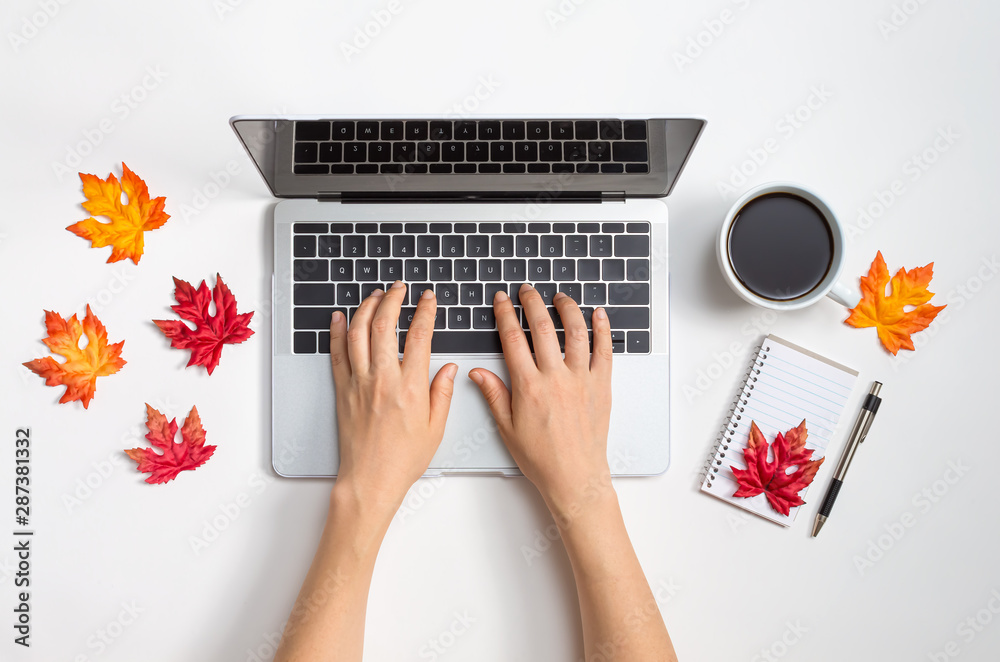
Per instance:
{"type": "Point", "coordinates": [772, 477]}
{"type": "Point", "coordinates": [186, 455]}
{"type": "Point", "coordinates": [211, 332]}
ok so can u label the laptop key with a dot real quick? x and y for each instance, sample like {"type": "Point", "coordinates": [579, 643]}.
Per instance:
{"type": "Point", "coordinates": [323, 346]}
{"type": "Point", "coordinates": [588, 269]}
{"type": "Point", "coordinates": [526, 152]}
{"type": "Point", "coordinates": [564, 269]}
{"type": "Point", "coordinates": [617, 341]}
{"type": "Point", "coordinates": [513, 130]}
{"type": "Point", "coordinates": [628, 317]}
{"type": "Point", "coordinates": [538, 130]}
{"type": "Point", "coordinates": [477, 245]}
{"type": "Point", "coordinates": [453, 152]}
{"type": "Point", "coordinates": [441, 130]}
{"type": "Point", "coordinates": [547, 290]}
{"type": "Point", "coordinates": [403, 245]}
{"type": "Point", "coordinates": [428, 245]}
{"type": "Point", "coordinates": [575, 151]}
{"type": "Point", "coordinates": [331, 152]}
{"type": "Point", "coordinates": [562, 130]}
{"type": "Point", "coordinates": [390, 270]}
{"type": "Point", "coordinates": [416, 130]}
{"type": "Point", "coordinates": [550, 151]}
{"type": "Point", "coordinates": [465, 270]}
{"type": "Point", "coordinates": [353, 246]}
{"type": "Point", "coordinates": [415, 270]}
{"type": "Point", "coordinates": [628, 294]}
{"type": "Point", "coordinates": [600, 245]}
{"type": "Point", "coordinates": [312, 130]}
{"type": "Point", "coordinates": [447, 294]}
{"type": "Point", "coordinates": [573, 290]}
{"type": "Point", "coordinates": [539, 269]}
{"type": "Point", "coordinates": [610, 130]}
{"type": "Point", "coordinates": [304, 342]}
{"type": "Point", "coordinates": [343, 131]}
{"type": "Point", "coordinates": [406, 314]}
{"type": "Point", "coordinates": [489, 270]}
{"type": "Point", "coordinates": [576, 245]}
{"type": "Point", "coordinates": [304, 245]}
{"type": "Point", "coordinates": [314, 294]}
{"type": "Point", "coordinates": [635, 129]}
{"type": "Point", "coordinates": [459, 318]}
{"type": "Point", "coordinates": [310, 270]}
{"type": "Point", "coordinates": [440, 270]}
{"type": "Point", "coordinates": [312, 318]}
{"type": "Point", "coordinates": [417, 290]}
{"type": "Point", "coordinates": [491, 290]}
{"type": "Point", "coordinates": [502, 245]}
{"type": "Point", "coordinates": [471, 294]}
{"type": "Point", "coordinates": [637, 342]}
{"type": "Point", "coordinates": [404, 152]}
{"type": "Point", "coordinates": [348, 294]}
{"type": "Point", "coordinates": [637, 269]}
{"type": "Point", "coordinates": [612, 270]}
{"type": "Point", "coordinates": [368, 288]}
{"type": "Point", "coordinates": [628, 152]}
{"type": "Point", "coordinates": [367, 130]}
{"type": "Point", "coordinates": [515, 271]}
{"type": "Point", "coordinates": [329, 245]}
{"type": "Point", "coordinates": [631, 246]}
{"type": "Point", "coordinates": [477, 151]}
{"type": "Point", "coordinates": [586, 130]}
{"type": "Point", "coordinates": [461, 342]}
{"type": "Point", "coordinates": [526, 245]}
{"type": "Point", "coordinates": [552, 246]}
{"type": "Point", "coordinates": [355, 152]}
{"type": "Point", "coordinates": [453, 246]}
{"type": "Point", "coordinates": [483, 318]}
{"type": "Point", "coordinates": [502, 151]}
{"type": "Point", "coordinates": [366, 270]}
{"type": "Point", "coordinates": [392, 130]}
{"type": "Point", "coordinates": [595, 294]}
{"type": "Point", "coordinates": [378, 246]}
{"type": "Point", "coordinates": [341, 270]}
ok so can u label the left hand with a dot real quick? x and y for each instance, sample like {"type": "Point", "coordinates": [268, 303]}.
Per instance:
{"type": "Point", "coordinates": [389, 420]}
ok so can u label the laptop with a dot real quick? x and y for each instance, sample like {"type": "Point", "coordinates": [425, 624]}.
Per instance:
{"type": "Point", "coordinates": [468, 206]}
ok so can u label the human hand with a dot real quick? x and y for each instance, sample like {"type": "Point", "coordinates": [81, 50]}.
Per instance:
{"type": "Point", "coordinates": [390, 422]}
{"type": "Point", "coordinates": [554, 418]}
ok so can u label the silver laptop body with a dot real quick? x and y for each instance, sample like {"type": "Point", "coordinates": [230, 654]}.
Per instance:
{"type": "Point", "coordinates": [304, 430]}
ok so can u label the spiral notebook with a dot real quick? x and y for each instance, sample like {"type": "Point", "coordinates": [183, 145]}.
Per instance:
{"type": "Point", "coordinates": [784, 384]}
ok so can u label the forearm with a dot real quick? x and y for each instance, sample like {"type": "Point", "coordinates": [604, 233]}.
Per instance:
{"type": "Point", "coordinates": [327, 622]}
{"type": "Point", "coordinates": [621, 620]}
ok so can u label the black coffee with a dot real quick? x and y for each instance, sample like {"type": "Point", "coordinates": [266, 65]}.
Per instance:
{"type": "Point", "coordinates": [780, 246]}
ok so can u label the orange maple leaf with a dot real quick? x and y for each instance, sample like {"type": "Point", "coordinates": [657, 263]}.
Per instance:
{"type": "Point", "coordinates": [128, 221]}
{"type": "Point", "coordinates": [888, 314]}
{"type": "Point", "coordinates": [83, 366]}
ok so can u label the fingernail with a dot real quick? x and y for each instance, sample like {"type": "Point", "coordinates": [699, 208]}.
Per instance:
{"type": "Point", "coordinates": [526, 285]}
{"type": "Point", "coordinates": [600, 314]}
{"type": "Point", "coordinates": [476, 377]}
{"type": "Point", "coordinates": [559, 295]}
{"type": "Point", "coordinates": [337, 318]}
{"type": "Point", "coordinates": [398, 284]}
{"type": "Point", "coordinates": [377, 293]}
{"type": "Point", "coordinates": [428, 294]}
{"type": "Point", "coordinates": [500, 296]}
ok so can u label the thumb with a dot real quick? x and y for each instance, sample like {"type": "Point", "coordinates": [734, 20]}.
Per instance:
{"type": "Point", "coordinates": [496, 393]}
{"type": "Point", "coordinates": [441, 391]}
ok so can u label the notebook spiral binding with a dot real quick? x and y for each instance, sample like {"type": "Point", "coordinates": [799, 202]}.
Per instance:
{"type": "Point", "coordinates": [735, 414]}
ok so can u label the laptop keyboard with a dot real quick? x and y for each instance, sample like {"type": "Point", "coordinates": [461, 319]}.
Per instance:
{"type": "Point", "coordinates": [337, 265]}
{"type": "Point", "coordinates": [347, 147]}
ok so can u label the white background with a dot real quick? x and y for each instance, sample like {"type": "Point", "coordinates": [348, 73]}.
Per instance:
{"type": "Point", "coordinates": [730, 587]}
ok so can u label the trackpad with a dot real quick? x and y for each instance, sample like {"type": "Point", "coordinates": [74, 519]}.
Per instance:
{"type": "Point", "coordinates": [471, 442]}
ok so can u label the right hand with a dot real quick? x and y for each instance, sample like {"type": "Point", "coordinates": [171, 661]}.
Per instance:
{"type": "Point", "coordinates": [554, 418]}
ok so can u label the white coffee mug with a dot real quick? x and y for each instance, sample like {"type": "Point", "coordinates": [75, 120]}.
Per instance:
{"type": "Point", "coordinates": [830, 286]}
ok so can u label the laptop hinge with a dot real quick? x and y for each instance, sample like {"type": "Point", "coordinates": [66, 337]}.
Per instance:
{"type": "Point", "coordinates": [613, 196]}
{"type": "Point", "coordinates": [472, 196]}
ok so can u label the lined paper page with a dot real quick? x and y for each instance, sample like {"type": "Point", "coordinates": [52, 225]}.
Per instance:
{"type": "Point", "coordinates": [793, 384]}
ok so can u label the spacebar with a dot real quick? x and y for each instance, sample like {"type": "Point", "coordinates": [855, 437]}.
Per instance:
{"type": "Point", "coordinates": [461, 342]}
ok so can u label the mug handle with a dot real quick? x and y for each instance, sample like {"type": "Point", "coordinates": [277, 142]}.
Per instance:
{"type": "Point", "coordinates": [844, 294]}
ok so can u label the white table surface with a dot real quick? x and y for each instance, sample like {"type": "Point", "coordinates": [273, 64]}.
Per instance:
{"type": "Point", "coordinates": [730, 587]}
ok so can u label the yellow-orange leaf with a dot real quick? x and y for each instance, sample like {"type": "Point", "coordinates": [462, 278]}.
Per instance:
{"type": "Point", "coordinates": [83, 366]}
{"type": "Point", "coordinates": [888, 314]}
{"type": "Point", "coordinates": [128, 221]}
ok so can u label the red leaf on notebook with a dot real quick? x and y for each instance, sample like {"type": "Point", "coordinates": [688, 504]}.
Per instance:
{"type": "Point", "coordinates": [211, 332]}
{"type": "Point", "coordinates": [772, 477]}
{"type": "Point", "coordinates": [186, 455]}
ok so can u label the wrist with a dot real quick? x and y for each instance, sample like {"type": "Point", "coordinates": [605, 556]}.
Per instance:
{"type": "Point", "coordinates": [351, 508]}
{"type": "Point", "coordinates": [568, 504]}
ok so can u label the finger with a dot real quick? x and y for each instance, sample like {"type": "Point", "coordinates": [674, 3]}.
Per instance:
{"type": "Point", "coordinates": [385, 346]}
{"type": "Point", "coordinates": [359, 333]}
{"type": "Point", "coordinates": [442, 389]}
{"type": "Point", "coordinates": [515, 345]}
{"type": "Point", "coordinates": [496, 393]}
{"type": "Point", "coordinates": [339, 359]}
{"type": "Point", "coordinates": [577, 342]}
{"type": "Point", "coordinates": [543, 330]}
{"type": "Point", "coordinates": [417, 350]}
{"type": "Point", "coordinates": [600, 359]}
